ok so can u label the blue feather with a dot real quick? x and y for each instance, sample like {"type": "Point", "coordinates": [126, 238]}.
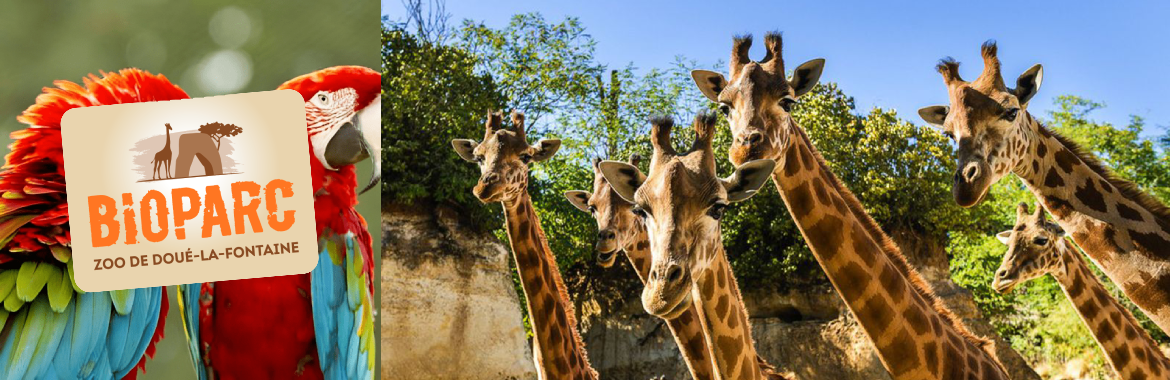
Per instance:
{"type": "Point", "coordinates": [189, 301]}
{"type": "Point", "coordinates": [338, 293]}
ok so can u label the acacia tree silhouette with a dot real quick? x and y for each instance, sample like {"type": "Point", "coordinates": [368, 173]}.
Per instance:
{"type": "Point", "coordinates": [219, 130]}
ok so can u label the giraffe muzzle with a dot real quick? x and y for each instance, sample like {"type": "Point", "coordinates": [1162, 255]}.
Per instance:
{"type": "Point", "coordinates": [971, 183]}
{"type": "Point", "coordinates": [668, 292]}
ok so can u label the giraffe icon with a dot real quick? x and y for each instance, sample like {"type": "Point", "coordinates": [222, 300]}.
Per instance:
{"type": "Point", "coordinates": [163, 157]}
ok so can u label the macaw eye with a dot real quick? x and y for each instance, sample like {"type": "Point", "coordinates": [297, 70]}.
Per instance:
{"type": "Point", "coordinates": [717, 210]}
{"type": "Point", "coordinates": [786, 103]}
{"type": "Point", "coordinates": [1041, 241]}
{"type": "Point", "coordinates": [1011, 113]}
{"type": "Point", "coordinates": [322, 99]}
{"type": "Point", "coordinates": [725, 109]}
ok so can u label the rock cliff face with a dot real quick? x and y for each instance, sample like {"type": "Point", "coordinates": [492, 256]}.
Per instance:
{"type": "Point", "coordinates": [448, 309]}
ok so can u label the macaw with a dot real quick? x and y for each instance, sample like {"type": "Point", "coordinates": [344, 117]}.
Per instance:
{"type": "Point", "coordinates": [49, 328]}
{"type": "Point", "coordinates": [320, 324]}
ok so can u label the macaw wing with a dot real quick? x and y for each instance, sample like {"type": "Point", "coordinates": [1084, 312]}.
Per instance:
{"type": "Point", "coordinates": [194, 303]}
{"type": "Point", "coordinates": [71, 334]}
{"type": "Point", "coordinates": [342, 306]}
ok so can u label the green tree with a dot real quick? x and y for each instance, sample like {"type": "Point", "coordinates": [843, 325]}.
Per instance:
{"type": "Point", "coordinates": [436, 95]}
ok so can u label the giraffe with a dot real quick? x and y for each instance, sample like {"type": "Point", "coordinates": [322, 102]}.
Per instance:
{"type": "Point", "coordinates": [620, 230]}
{"type": "Point", "coordinates": [1124, 230]}
{"type": "Point", "coordinates": [162, 159]}
{"type": "Point", "coordinates": [1036, 247]}
{"type": "Point", "coordinates": [503, 158]}
{"type": "Point", "coordinates": [680, 204]}
{"type": "Point", "coordinates": [916, 336]}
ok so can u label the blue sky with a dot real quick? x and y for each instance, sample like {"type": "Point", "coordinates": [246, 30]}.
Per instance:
{"type": "Point", "coordinates": [884, 54]}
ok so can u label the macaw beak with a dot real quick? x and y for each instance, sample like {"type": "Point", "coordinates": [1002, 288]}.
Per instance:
{"type": "Point", "coordinates": [356, 140]}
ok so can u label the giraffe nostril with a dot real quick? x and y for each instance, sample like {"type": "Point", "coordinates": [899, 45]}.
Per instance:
{"type": "Point", "coordinates": [971, 172]}
{"type": "Point", "coordinates": [605, 234]}
{"type": "Point", "coordinates": [673, 274]}
{"type": "Point", "coordinates": [753, 138]}
{"type": "Point", "coordinates": [491, 178]}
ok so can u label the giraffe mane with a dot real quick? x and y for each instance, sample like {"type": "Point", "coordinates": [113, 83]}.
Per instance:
{"type": "Point", "coordinates": [1127, 188]}
{"type": "Point", "coordinates": [563, 293]}
{"type": "Point", "coordinates": [897, 258]}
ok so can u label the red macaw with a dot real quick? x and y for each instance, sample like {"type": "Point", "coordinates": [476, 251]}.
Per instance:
{"type": "Point", "coordinates": [316, 325]}
{"type": "Point", "coordinates": [63, 332]}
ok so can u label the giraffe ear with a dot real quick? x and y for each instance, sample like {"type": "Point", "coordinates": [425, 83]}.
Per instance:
{"type": "Point", "coordinates": [710, 83]}
{"type": "Point", "coordinates": [748, 179]}
{"type": "Point", "coordinates": [465, 148]}
{"type": "Point", "coordinates": [545, 149]}
{"type": "Point", "coordinates": [579, 199]}
{"type": "Point", "coordinates": [934, 116]}
{"type": "Point", "coordinates": [806, 76]}
{"type": "Point", "coordinates": [625, 179]}
{"type": "Point", "coordinates": [1004, 237]}
{"type": "Point", "coordinates": [1028, 84]}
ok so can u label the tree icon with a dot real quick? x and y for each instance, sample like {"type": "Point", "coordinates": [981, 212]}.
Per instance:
{"type": "Point", "coordinates": [219, 130]}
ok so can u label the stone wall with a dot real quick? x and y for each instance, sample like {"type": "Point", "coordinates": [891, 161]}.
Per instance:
{"type": "Point", "coordinates": [448, 307]}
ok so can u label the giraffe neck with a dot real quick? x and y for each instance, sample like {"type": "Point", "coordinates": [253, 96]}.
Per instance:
{"type": "Point", "coordinates": [725, 320]}
{"type": "Point", "coordinates": [1130, 350]}
{"type": "Point", "coordinates": [559, 350]}
{"type": "Point", "coordinates": [686, 328]}
{"type": "Point", "coordinates": [168, 146]}
{"type": "Point", "coordinates": [915, 339]}
{"type": "Point", "coordinates": [1128, 241]}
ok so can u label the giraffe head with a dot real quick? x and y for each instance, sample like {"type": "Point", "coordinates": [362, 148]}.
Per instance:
{"type": "Point", "coordinates": [168, 126]}
{"type": "Point", "coordinates": [617, 226]}
{"type": "Point", "coordinates": [987, 120]}
{"type": "Point", "coordinates": [503, 158]}
{"type": "Point", "coordinates": [681, 202]}
{"type": "Point", "coordinates": [757, 98]}
{"type": "Point", "coordinates": [1032, 249]}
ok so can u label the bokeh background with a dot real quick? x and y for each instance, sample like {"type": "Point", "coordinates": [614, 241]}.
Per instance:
{"type": "Point", "coordinates": [208, 48]}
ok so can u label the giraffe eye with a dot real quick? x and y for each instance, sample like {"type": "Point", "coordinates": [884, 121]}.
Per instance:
{"type": "Point", "coordinates": [639, 212]}
{"type": "Point", "coordinates": [1041, 241]}
{"type": "Point", "coordinates": [479, 158]}
{"type": "Point", "coordinates": [1011, 113]}
{"type": "Point", "coordinates": [717, 210]}
{"type": "Point", "coordinates": [592, 209]}
{"type": "Point", "coordinates": [725, 109]}
{"type": "Point", "coordinates": [787, 103]}
{"type": "Point", "coordinates": [525, 158]}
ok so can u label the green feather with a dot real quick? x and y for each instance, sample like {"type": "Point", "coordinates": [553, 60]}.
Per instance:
{"type": "Point", "coordinates": [9, 225]}
{"type": "Point", "coordinates": [3, 317]}
{"type": "Point", "coordinates": [62, 253]}
{"type": "Point", "coordinates": [32, 278]}
{"type": "Point", "coordinates": [60, 291]}
{"type": "Point", "coordinates": [123, 300]}
{"type": "Point", "coordinates": [7, 282]}
{"type": "Point", "coordinates": [73, 279]}
{"type": "Point", "coordinates": [13, 303]}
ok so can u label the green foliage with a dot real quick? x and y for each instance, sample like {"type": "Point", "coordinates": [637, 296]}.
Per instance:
{"type": "Point", "coordinates": [434, 95]}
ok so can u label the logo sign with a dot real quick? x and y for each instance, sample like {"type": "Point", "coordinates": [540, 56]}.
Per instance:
{"type": "Point", "coordinates": [186, 191]}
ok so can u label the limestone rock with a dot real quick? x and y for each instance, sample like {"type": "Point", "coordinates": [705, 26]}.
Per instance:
{"type": "Point", "coordinates": [448, 307]}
